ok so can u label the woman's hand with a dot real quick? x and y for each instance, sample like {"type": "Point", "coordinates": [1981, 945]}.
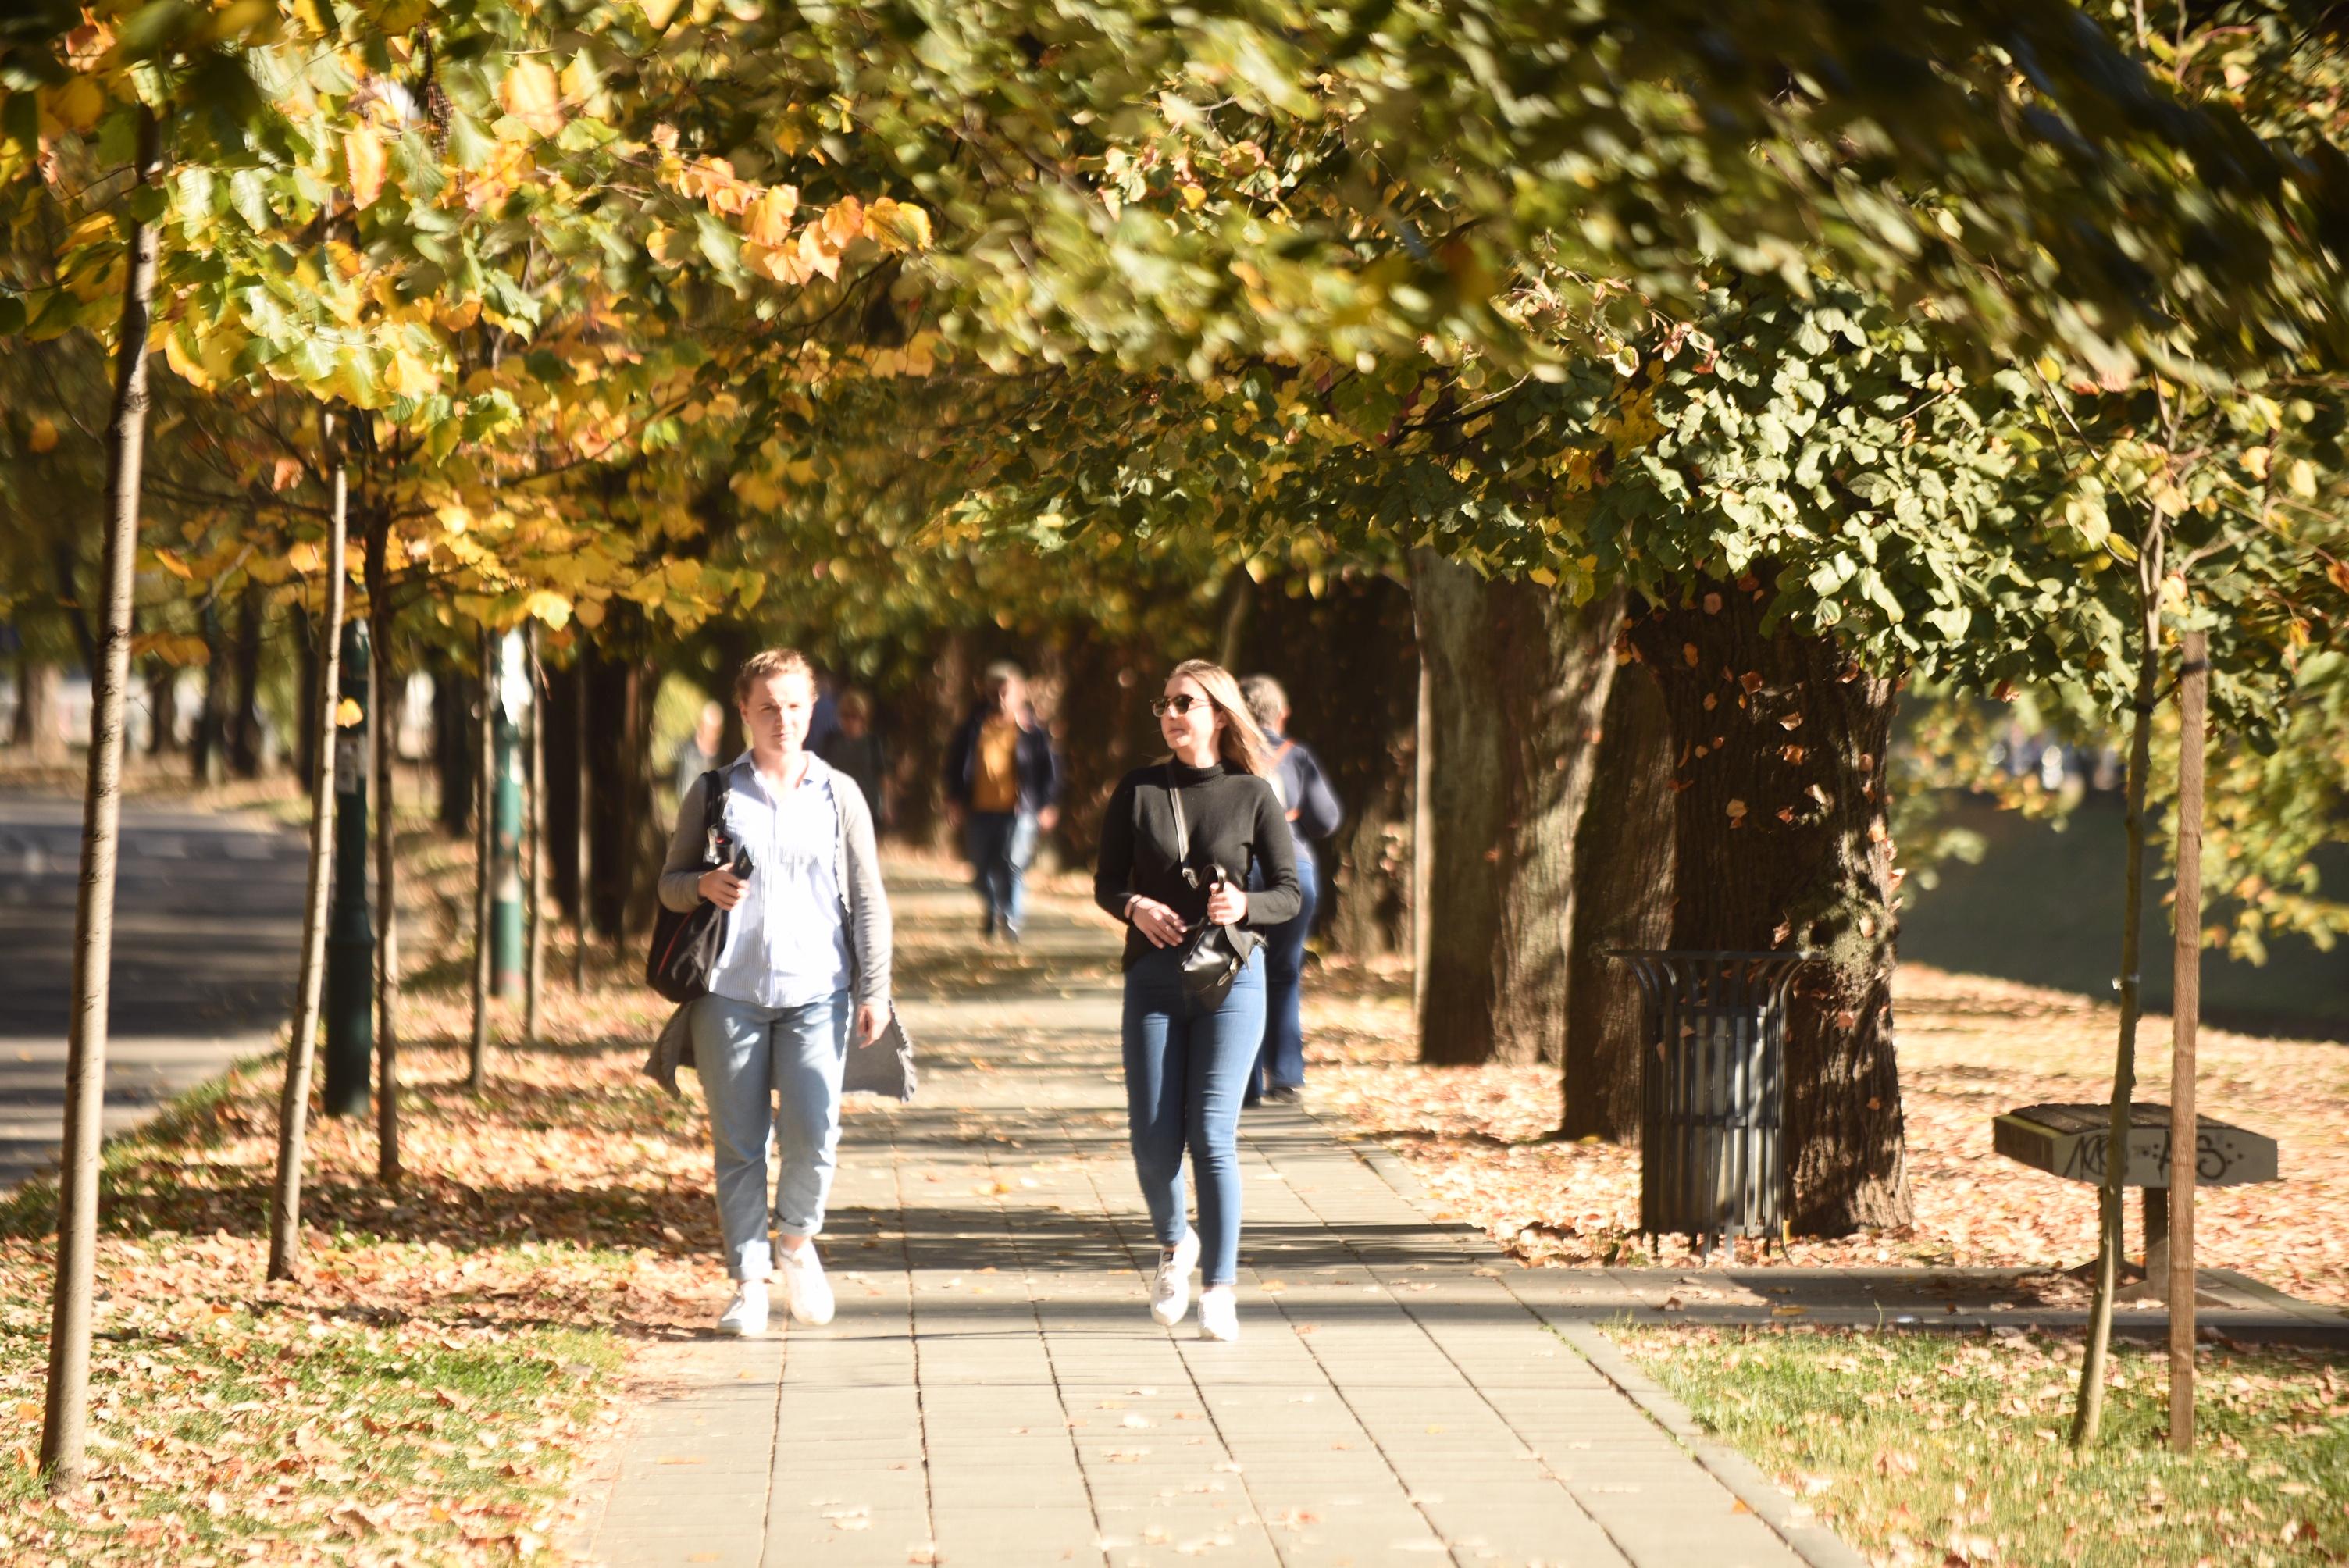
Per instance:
{"type": "Point", "coordinates": [721, 887]}
{"type": "Point", "coordinates": [1226, 905]}
{"type": "Point", "coordinates": [871, 1023]}
{"type": "Point", "coordinates": [1161, 925]}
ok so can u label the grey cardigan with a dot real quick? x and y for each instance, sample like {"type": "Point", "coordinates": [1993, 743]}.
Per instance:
{"type": "Point", "coordinates": [856, 868]}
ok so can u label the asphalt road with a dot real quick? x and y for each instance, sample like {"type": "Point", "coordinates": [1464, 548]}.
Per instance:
{"type": "Point", "coordinates": [208, 922]}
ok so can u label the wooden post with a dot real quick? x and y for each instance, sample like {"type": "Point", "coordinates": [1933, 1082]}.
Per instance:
{"type": "Point", "coordinates": [584, 924]}
{"type": "Point", "coordinates": [485, 838]}
{"type": "Point", "coordinates": [2193, 697]}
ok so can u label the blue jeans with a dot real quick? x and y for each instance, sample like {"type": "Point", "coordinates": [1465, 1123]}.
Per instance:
{"type": "Point", "coordinates": [1184, 1070]}
{"type": "Point", "coordinates": [743, 1052]}
{"type": "Point", "coordinates": [1000, 844]}
{"type": "Point", "coordinates": [1282, 1063]}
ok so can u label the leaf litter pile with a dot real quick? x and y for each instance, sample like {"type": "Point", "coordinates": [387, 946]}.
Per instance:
{"type": "Point", "coordinates": [1970, 1047]}
{"type": "Point", "coordinates": [1924, 1448]}
{"type": "Point", "coordinates": [425, 1391]}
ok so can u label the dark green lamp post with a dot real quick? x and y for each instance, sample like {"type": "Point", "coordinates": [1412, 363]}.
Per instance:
{"type": "Point", "coordinates": [350, 931]}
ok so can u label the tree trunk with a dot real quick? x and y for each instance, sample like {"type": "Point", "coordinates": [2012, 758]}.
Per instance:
{"type": "Point", "coordinates": [301, 1049]}
{"type": "Point", "coordinates": [2089, 1412]}
{"type": "Point", "coordinates": [1517, 681]}
{"type": "Point", "coordinates": [63, 1428]}
{"type": "Point", "coordinates": [309, 736]}
{"type": "Point", "coordinates": [39, 728]}
{"type": "Point", "coordinates": [245, 737]}
{"type": "Point", "coordinates": [384, 702]}
{"type": "Point", "coordinates": [610, 762]}
{"type": "Point", "coordinates": [209, 747]}
{"type": "Point", "coordinates": [485, 838]}
{"type": "Point", "coordinates": [1622, 898]}
{"type": "Point", "coordinates": [1778, 751]}
{"type": "Point", "coordinates": [164, 710]}
{"type": "Point", "coordinates": [452, 746]}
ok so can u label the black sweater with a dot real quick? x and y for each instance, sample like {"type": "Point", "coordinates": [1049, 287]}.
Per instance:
{"type": "Point", "coordinates": [1234, 820]}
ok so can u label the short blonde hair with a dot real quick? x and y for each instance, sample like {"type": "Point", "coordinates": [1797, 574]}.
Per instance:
{"type": "Point", "coordinates": [1239, 743]}
{"type": "Point", "coordinates": [766, 665]}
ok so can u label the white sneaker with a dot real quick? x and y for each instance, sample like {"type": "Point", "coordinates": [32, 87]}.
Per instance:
{"type": "Point", "coordinates": [1170, 1297]}
{"type": "Point", "coordinates": [746, 1314]}
{"type": "Point", "coordinates": [1219, 1312]}
{"type": "Point", "coordinates": [804, 1286]}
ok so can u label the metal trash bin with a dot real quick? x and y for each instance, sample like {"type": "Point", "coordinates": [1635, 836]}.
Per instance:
{"type": "Point", "coordinates": [1713, 1093]}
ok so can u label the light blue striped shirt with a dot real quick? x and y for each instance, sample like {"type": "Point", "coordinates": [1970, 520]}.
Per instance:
{"type": "Point", "coordinates": [785, 945]}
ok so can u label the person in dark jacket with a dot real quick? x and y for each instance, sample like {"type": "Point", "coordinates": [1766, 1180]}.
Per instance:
{"type": "Point", "coordinates": [1003, 788]}
{"type": "Point", "coordinates": [854, 748]}
{"type": "Point", "coordinates": [1313, 813]}
{"type": "Point", "coordinates": [1182, 842]}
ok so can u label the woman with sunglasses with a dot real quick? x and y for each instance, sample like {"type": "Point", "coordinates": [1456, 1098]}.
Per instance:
{"type": "Point", "coordinates": [1178, 843]}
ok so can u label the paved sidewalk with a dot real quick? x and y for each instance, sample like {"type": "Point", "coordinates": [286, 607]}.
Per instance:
{"type": "Point", "coordinates": [993, 1390]}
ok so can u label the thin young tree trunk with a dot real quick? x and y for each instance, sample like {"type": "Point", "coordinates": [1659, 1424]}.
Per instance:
{"type": "Point", "coordinates": [2193, 699]}
{"type": "Point", "coordinates": [64, 1420]}
{"type": "Point", "coordinates": [385, 704]}
{"type": "Point", "coordinates": [301, 1049]}
{"type": "Point", "coordinates": [2089, 1413]}
{"type": "Point", "coordinates": [485, 850]}
{"type": "Point", "coordinates": [534, 836]}
{"type": "Point", "coordinates": [244, 748]}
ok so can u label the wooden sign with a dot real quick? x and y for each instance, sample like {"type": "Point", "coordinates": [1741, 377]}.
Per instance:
{"type": "Point", "coordinates": [2069, 1140]}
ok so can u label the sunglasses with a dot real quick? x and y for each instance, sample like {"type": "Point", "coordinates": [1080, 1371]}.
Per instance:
{"type": "Point", "coordinates": [1181, 703]}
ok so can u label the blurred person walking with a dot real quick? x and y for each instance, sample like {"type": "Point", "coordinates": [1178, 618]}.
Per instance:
{"type": "Point", "coordinates": [1181, 842]}
{"type": "Point", "coordinates": [1313, 813]}
{"type": "Point", "coordinates": [1003, 787]}
{"type": "Point", "coordinates": [855, 749]}
{"type": "Point", "coordinates": [697, 752]}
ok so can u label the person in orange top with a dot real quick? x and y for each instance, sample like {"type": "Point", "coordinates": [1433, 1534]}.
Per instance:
{"type": "Point", "coordinates": [1003, 787]}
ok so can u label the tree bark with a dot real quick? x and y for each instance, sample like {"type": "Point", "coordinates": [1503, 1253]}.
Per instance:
{"type": "Point", "coordinates": [245, 735]}
{"type": "Point", "coordinates": [209, 746]}
{"type": "Point", "coordinates": [385, 703]}
{"type": "Point", "coordinates": [164, 709]}
{"type": "Point", "coordinates": [452, 746]}
{"type": "Point", "coordinates": [65, 1421]}
{"type": "Point", "coordinates": [485, 836]}
{"type": "Point", "coordinates": [38, 730]}
{"type": "Point", "coordinates": [301, 1048]}
{"type": "Point", "coordinates": [1781, 837]}
{"type": "Point", "coordinates": [1517, 681]}
{"type": "Point", "coordinates": [1622, 898]}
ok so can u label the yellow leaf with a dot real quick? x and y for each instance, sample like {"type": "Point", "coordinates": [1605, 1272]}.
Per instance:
{"type": "Point", "coordinates": [552, 608]}
{"type": "Point", "coordinates": [77, 105]}
{"type": "Point", "coordinates": [304, 558]}
{"type": "Point", "coordinates": [2302, 478]}
{"type": "Point", "coordinates": [43, 436]}
{"type": "Point", "coordinates": [844, 221]}
{"type": "Point", "coordinates": [532, 95]}
{"type": "Point", "coordinates": [769, 219]}
{"type": "Point", "coordinates": [347, 713]}
{"type": "Point", "coordinates": [363, 155]}
{"type": "Point", "coordinates": [658, 12]}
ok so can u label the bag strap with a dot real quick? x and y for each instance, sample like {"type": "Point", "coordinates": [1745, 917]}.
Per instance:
{"type": "Point", "coordinates": [1181, 831]}
{"type": "Point", "coordinates": [713, 804]}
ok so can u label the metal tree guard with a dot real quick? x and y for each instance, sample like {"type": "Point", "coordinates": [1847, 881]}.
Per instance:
{"type": "Point", "coordinates": [1712, 1092]}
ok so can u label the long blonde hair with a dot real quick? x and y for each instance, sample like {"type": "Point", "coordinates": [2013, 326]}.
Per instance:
{"type": "Point", "coordinates": [1238, 743]}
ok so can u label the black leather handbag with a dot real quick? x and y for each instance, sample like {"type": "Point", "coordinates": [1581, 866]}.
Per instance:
{"type": "Point", "coordinates": [1211, 955]}
{"type": "Point", "coordinates": [685, 944]}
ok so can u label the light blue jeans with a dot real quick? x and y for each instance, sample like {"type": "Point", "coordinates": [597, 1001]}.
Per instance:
{"type": "Point", "coordinates": [1185, 1067]}
{"type": "Point", "coordinates": [744, 1054]}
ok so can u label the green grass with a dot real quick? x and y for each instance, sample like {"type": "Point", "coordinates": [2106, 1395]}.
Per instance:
{"type": "Point", "coordinates": [1920, 1448]}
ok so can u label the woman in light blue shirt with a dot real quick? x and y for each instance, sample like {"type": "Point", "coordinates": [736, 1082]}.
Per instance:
{"type": "Point", "coordinates": [805, 961]}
